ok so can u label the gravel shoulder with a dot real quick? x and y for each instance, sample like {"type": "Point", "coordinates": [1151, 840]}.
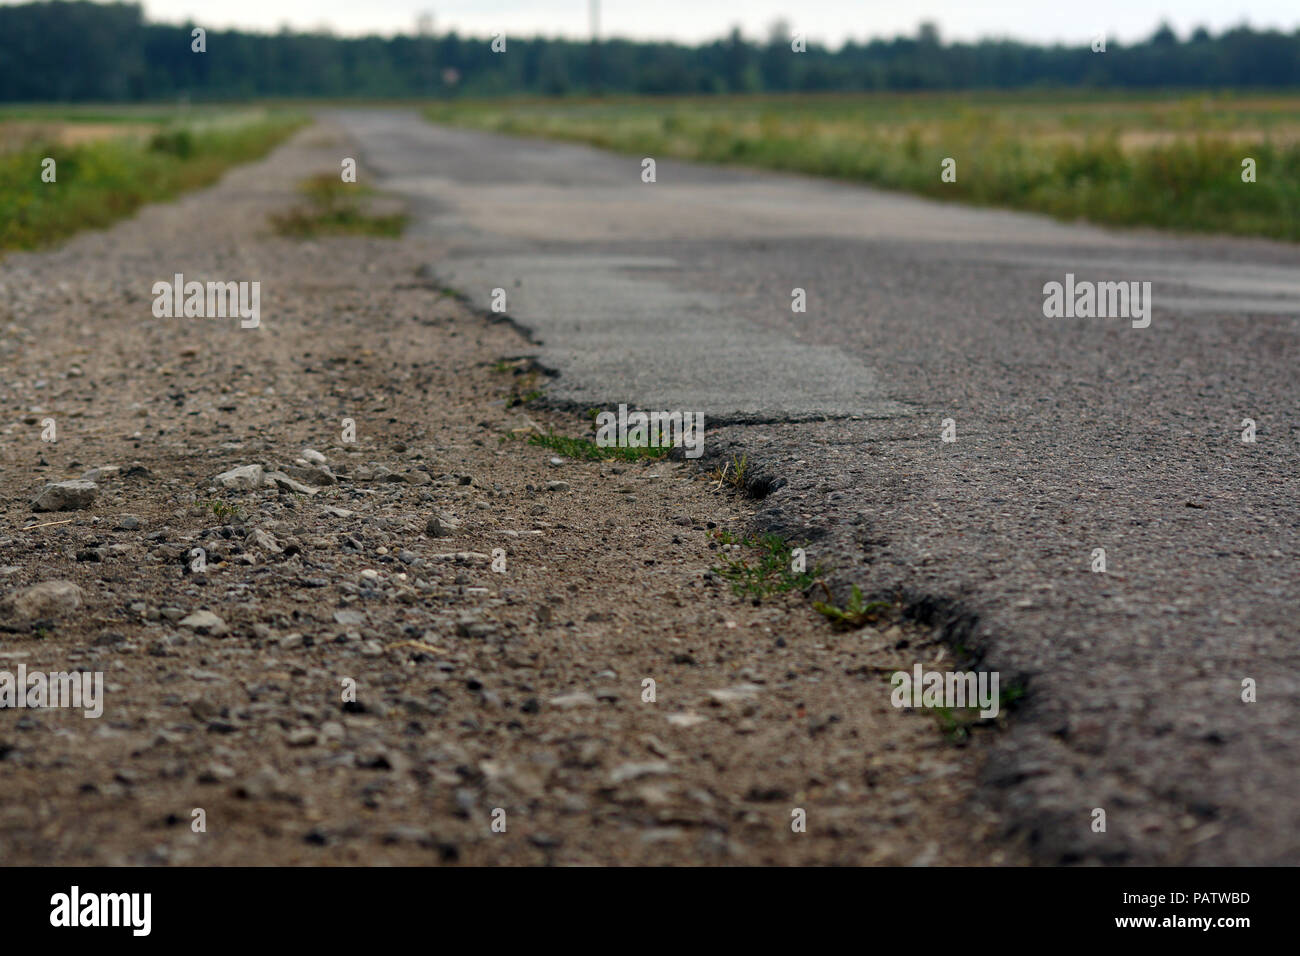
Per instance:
{"type": "Point", "coordinates": [480, 695]}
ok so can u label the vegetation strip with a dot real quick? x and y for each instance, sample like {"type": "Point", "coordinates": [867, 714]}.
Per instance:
{"type": "Point", "coordinates": [97, 183]}
{"type": "Point", "coordinates": [1173, 163]}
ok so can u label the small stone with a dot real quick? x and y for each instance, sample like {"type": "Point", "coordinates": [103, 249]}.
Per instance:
{"type": "Point", "coordinates": [311, 474]}
{"type": "Point", "coordinates": [740, 693]}
{"type": "Point", "coordinates": [205, 622]}
{"type": "Point", "coordinates": [440, 526]}
{"type": "Point", "coordinates": [47, 599]}
{"type": "Point", "coordinates": [258, 538]}
{"type": "Point", "coordinates": [66, 496]}
{"type": "Point", "coordinates": [278, 479]}
{"type": "Point", "coordinates": [243, 478]}
{"type": "Point", "coordinates": [313, 456]}
{"type": "Point", "coordinates": [463, 557]}
{"type": "Point", "coordinates": [557, 486]}
{"type": "Point", "coordinates": [635, 771]}
{"type": "Point", "coordinates": [127, 523]}
{"type": "Point", "coordinates": [685, 720]}
{"type": "Point", "coordinates": [408, 834]}
{"type": "Point", "coordinates": [570, 701]}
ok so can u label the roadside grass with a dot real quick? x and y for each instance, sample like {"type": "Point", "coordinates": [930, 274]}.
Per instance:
{"type": "Point", "coordinates": [858, 612]}
{"type": "Point", "coordinates": [732, 473]}
{"type": "Point", "coordinates": [221, 509]}
{"type": "Point", "coordinates": [957, 723]}
{"type": "Point", "coordinates": [102, 181]}
{"type": "Point", "coordinates": [584, 449]}
{"type": "Point", "coordinates": [1170, 161]}
{"type": "Point", "coordinates": [523, 389]}
{"type": "Point", "coordinates": [768, 569]}
{"type": "Point", "coordinates": [335, 208]}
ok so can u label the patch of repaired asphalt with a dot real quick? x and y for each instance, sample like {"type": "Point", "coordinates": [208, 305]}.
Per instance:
{"type": "Point", "coordinates": [623, 334]}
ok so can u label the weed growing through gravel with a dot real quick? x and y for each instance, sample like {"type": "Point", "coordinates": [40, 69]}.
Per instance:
{"type": "Point", "coordinates": [223, 510]}
{"type": "Point", "coordinates": [856, 613]}
{"type": "Point", "coordinates": [956, 723]}
{"type": "Point", "coordinates": [523, 390]}
{"type": "Point", "coordinates": [769, 573]}
{"type": "Point", "coordinates": [584, 449]}
{"type": "Point", "coordinates": [732, 473]}
{"type": "Point", "coordinates": [333, 208]}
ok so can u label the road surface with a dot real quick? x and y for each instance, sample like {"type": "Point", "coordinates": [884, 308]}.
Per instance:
{"type": "Point", "coordinates": [1072, 435]}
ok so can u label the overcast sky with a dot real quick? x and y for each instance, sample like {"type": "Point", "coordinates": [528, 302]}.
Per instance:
{"type": "Point", "coordinates": [829, 21]}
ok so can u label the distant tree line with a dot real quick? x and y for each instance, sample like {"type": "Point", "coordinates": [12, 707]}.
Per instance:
{"type": "Point", "coordinates": [79, 51]}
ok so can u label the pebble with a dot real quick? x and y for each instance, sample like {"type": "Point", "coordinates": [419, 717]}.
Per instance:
{"type": "Point", "coordinates": [440, 526]}
{"type": "Point", "coordinates": [740, 693]}
{"type": "Point", "coordinates": [279, 479]}
{"type": "Point", "coordinates": [243, 478]}
{"type": "Point", "coordinates": [66, 496]}
{"type": "Point", "coordinates": [258, 538]}
{"type": "Point", "coordinates": [205, 622]}
{"type": "Point", "coordinates": [311, 474]}
{"type": "Point", "coordinates": [686, 720]}
{"type": "Point", "coordinates": [570, 701]}
{"type": "Point", "coordinates": [635, 771]}
{"type": "Point", "coordinates": [46, 600]}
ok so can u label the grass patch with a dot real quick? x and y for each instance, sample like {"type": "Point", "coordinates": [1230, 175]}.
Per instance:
{"type": "Point", "coordinates": [584, 449]}
{"type": "Point", "coordinates": [769, 570]}
{"type": "Point", "coordinates": [858, 612]}
{"type": "Point", "coordinates": [1171, 161]}
{"type": "Point", "coordinates": [956, 723]}
{"type": "Point", "coordinates": [106, 180]}
{"type": "Point", "coordinates": [523, 390]}
{"type": "Point", "coordinates": [732, 474]}
{"type": "Point", "coordinates": [335, 208]}
{"type": "Point", "coordinates": [224, 510]}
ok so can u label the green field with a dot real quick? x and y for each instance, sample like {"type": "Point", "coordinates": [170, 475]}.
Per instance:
{"type": "Point", "coordinates": [1169, 161]}
{"type": "Point", "coordinates": [108, 163]}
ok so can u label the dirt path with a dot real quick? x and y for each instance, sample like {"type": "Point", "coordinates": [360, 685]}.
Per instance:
{"type": "Point", "coordinates": [476, 691]}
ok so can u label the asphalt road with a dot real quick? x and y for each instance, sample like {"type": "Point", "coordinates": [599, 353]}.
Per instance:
{"type": "Point", "coordinates": [1072, 434]}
